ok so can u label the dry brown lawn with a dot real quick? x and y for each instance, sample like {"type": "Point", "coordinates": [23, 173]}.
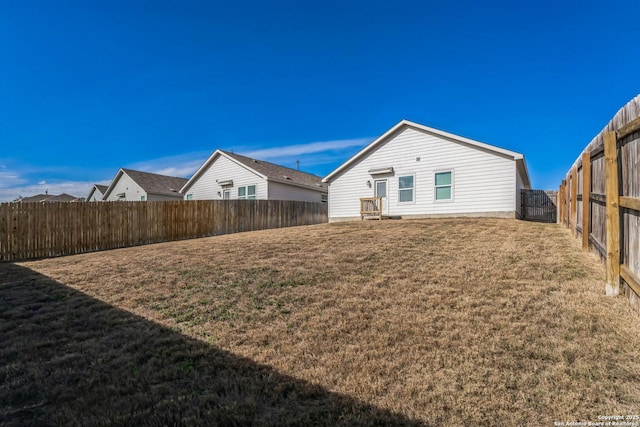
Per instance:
{"type": "Point", "coordinates": [435, 322]}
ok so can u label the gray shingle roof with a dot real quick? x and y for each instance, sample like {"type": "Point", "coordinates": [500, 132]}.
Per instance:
{"type": "Point", "coordinates": [156, 184]}
{"type": "Point", "coordinates": [101, 188]}
{"type": "Point", "coordinates": [279, 173]}
{"type": "Point", "coordinates": [64, 197]}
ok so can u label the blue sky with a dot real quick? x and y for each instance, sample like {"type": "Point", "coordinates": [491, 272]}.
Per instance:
{"type": "Point", "coordinates": [87, 87]}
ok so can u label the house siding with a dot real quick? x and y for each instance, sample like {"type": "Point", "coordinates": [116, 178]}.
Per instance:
{"type": "Point", "coordinates": [484, 182]}
{"type": "Point", "coordinates": [127, 186]}
{"type": "Point", "coordinates": [95, 196]}
{"type": "Point", "coordinates": [206, 187]}
{"type": "Point", "coordinates": [281, 191]}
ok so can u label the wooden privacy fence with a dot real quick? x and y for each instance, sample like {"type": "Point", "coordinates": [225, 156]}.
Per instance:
{"type": "Point", "coordinates": [538, 205]}
{"type": "Point", "coordinates": [39, 230]}
{"type": "Point", "coordinates": [600, 200]}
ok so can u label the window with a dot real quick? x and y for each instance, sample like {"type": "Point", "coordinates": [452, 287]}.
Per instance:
{"type": "Point", "coordinates": [247, 192]}
{"type": "Point", "coordinates": [143, 198]}
{"type": "Point", "coordinates": [189, 196]}
{"type": "Point", "coordinates": [323, 198]}
{"type": "Point", "coordinates": [405, 189]}
{"type": "Point", "coordinates": [226, 195]}
{"type": "Point", "coordinates": [444, 186]}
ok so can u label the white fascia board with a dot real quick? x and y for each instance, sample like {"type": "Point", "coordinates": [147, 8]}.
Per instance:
{"type": "Point", "coordinates": [427, 129]}
{"type": "Point", "coordinates": [200, 170]}
{"type": "Point", "coordinates": [208, 163]}
{"type": "Point", "coordinates": [113, 183]}
{"type": "Point", "coordinates": [469, 141]}
{"type": "Point", "coordinates": [526, 171]}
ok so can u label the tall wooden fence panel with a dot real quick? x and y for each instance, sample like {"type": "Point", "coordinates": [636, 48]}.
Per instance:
{"type": "Point", "coordinates": [40, 230]}
{"type": "Point", "coordinates": [538, 205]}
{"type": "Point", "coordinates": [599, 200]}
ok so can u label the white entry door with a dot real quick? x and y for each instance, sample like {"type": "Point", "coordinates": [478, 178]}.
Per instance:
{"type": "Point", "coordinates": [380, 190]}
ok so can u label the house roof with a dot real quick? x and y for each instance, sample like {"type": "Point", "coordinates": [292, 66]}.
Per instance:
{"type": "Point", "coordinates": [64, 197]}
{"type": "Point", "coordinates": [151, 183]}
{"type": "Point", "coordinates": [97, 187]}
{"type": "Point", "coordinates": [267, 170]}
{"type": "Point", "coordinates": [403, 124]}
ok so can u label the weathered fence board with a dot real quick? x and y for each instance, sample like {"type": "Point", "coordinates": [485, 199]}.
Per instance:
{"type": "Point", "coordinates": [40, 230]}
{"type": "Point", "coordinates": [610, 199]}
{"type": "Point", "coordinates": [538, 205]}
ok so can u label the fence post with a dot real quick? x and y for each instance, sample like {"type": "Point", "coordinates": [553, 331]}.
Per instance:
{"type": "Point", "coordinates": [586, 204]}
{"type": "Point", "coordinates": [574, 202]}
{"type": "Point", "coordinates": [613, 213]}
{"type": "Point", "coordinates": [567, 207]}
{"type": "Point", "coordinates": [561, 202]}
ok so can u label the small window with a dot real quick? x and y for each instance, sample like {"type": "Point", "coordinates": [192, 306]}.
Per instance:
{"type": "Point", "coordinates": [143, 198]}
{"type": "Point", "coordinates": [226, 195]}
{"type": "Point", "coordinates": [405, 189]}
{"type": "Point", "coordinates": [248, 192]}
{"type": "Point", "coordinates": [189, 196]}
{"type": "Point", "coordinates": [444, 186]}
{"type": "Point", "coordinates": [323, 198]}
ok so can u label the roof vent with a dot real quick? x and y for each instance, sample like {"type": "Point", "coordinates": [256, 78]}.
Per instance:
{"type": "Point", "coordinates": [286, 177]}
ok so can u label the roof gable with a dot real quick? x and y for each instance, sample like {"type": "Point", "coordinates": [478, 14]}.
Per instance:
{"type": "Point", "coordinates": [151, 183]}
{"type": "Point", "coordinates": [64, 197]}
{"type": "Point", "coordinates": [99, 188]}
{"type": "Point", "coordinates": [266, 170]}
{"type": "Point", "coordinates": [404, 124]}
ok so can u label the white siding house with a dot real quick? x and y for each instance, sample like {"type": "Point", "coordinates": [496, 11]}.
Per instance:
{"type": "Point", "coordinates": [232, 176]}
{"type": "Point", "coordinates": [132, 185]}
{"type": "Point", "coordinates": [422, 172]}
{"type": "Point", "coordinates": [97, 193]}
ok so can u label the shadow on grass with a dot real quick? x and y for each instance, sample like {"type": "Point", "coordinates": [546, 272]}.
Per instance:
{"type": "Point", "coordinates": [69, 359]}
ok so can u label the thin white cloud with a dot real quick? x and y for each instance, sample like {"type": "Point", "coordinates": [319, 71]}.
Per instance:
{"type": "Point", "coordinates": [182, 165]}
{"type": "Point", "coordinates": [10, 178]}
{"type": "Point", "coordinates": [75, 188]}
{"type": "Point", "coordinates": [310, 148]}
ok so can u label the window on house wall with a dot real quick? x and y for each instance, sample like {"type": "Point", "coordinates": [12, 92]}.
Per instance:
{"type": "Point", "coordinates": [143, 198]}
{"type": "Point", "coordinates": [406, 189]}
{"type": "Point", "coordinates": [444, 185]}
{"type": "Point", "coordinates": [324, 198]}
{"type": "Point", "coordinates": [247, 192]}
{"type": "Point", "coordinates": [189, 196]}
{"type": "Point", "coordinates": [226, 194]}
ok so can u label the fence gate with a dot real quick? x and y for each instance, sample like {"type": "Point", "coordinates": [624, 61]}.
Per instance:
{"type": "Point", "coordinates": [538, 205]}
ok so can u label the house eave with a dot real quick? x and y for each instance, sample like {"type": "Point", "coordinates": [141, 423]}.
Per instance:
{"type": "Point", "coordinates": [408, 124]}
{"type": "Point", "coordinates": [297, 184]}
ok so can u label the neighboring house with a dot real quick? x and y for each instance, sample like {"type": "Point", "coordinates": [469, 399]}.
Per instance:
{"type": "Point", "coordinates": [231, 176]}
{"type": "Point", "coordinates": [421, 172]}
{"type": "Point", "coordinates": [43, 198]}
{"type": "Point", "coordinates": [97, 193]}
{"type": "Point", "coordinates": [132, 185]}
